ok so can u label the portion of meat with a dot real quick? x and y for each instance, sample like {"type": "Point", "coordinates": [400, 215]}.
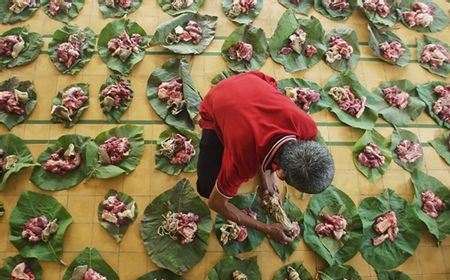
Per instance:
{"type": "Point", "coordinates": [338, 5]}
{"type": "Point", "coordinates": [238, 275]}
{"type": "Point", "coordinates": [421, 15]}
{"type": "Point", "coordinates": [56, 7]}
{"type": "Point", "coordinates": [178, 149]}
{"type": "Point", "coordinates": [240, 51]}
{"type": "Point", "coordinates": [114, 150]}
{"type": "Point", "coordinates": [18, 6]}
{"type": "Point", "coordinates": [11, 45]}
{"type": "Point", "coordinates": [386, 227]}
{"type": "Point", "coordinates": [181, 4]}
{"type": "Point", "coordinates": [62, 161]}
{"type": "Point", "coordinates": [391, 50]}
{"type": "Point", "coordinates": [338, 49]}
{"type": "Point", "coordinates": [408, 151]}
{"type": "Point", "coordinates": [334, 226]}
{"type": "Point", "coordinates": [432, 204]}
{"type": "Point", "coordinates": [233, 231]}
{"type": "Point", "coordinates": [347, 101]}
{"type": "Point", "coordinates": [71, 100]}
{"type": "Point", "coordinates": [172, 92]}
{"type": "Point", "coordinates": [13, 101]}
{"type": "Point", "coordinates": [435, 55]}
{"type": "Point", "coordinates": [381, 7]}
{"type": "Point", "coordinates": [124, 4]}
{"type": "Point", "coordinates": [7, 161]}
{"type": "Point", "coordinates": [179, 226]}
{"type": "Point", "coordinates": [22, 272]}
{"type": "Point", "coordinates": [39, 229]}
{"type": "Point", "coordinates": [116, 212]}
{"type": "Point", "coordinates": [396, 97]}
{"type": "Point", "coordinates": [125, 45]}
{"type": "Point", "coordinates": [310, 50]}
{"type": "Point", "coordinates": [241, 7]}
{"type": "Point", "coordinates": [371, 156]}
{"type": "Point", "coordinates": [91, 274]}
{"type": "Point", "coordinates": [71, 51]}
{"type": "Point", "coordinates": [296, 41]}
{"type": "Point", "coordinates": [442, 105]}
{"type": "Point", "coordinates": [115, 94]}
{"type": "Point", "coordinates": [192, 32]}
{"type": "Point", "coordinates": [292, 274]}
{"type": "Point", "coordinates": [302, 96]}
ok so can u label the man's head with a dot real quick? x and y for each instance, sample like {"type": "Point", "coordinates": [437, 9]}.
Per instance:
{"type": "Point", "coordinates": [306, 165]}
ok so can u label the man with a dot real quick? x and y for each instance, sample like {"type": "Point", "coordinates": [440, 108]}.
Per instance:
{"type": "Point", "coordinates": [250, 128]}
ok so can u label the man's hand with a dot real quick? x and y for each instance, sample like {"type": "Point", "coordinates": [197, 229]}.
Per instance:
{"type": "Point", "coordinates": [278, 233]}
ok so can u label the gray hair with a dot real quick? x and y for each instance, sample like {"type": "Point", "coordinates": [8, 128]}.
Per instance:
{"type": "Point", "coordinates": [308, 165]}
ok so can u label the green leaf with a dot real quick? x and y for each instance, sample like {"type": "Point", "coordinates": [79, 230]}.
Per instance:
{"type": "Point", "coordinates": [439, 227]}
{"type": "Point", "coordinates": [207, 25]}
{"type": "Point", "coordinates": [254, 238]}
{"type": "Point", "coordinates": [87, 47]}
{"type": "Point", "coordinates": [31, 50]}
{"type": "Point", "coordinates": [392, 275]}
{"type": "Point", "coordinates": [439, 23]}
{"type": "Point", "coordinates": [114, 114]}
{"type": "Point", "coordinates": [118, 11]}
{"type": "Point", "coordinates": [426, 93]}
{"type": "Point", "coordinates": [76, 117]}
{"type": "Point", "coordinates": [250, 35]}
{"type": "Point", "coordinates": [222, 76]}
{"type": "Point", "coordinates": [399, 135]}
{"type": "Point", "coordinates": [227, 265]}
{"type": "Point", "coordinates": [160, 274]}
{"type": "Point", "coordinates": [173, 68]}
{"type": "Point", "coordinates": [9, 17]}
{"type": "Point", "coordinates": [368, 118]}
{"type": "Point", "coordinates": [441, 146]}
{"type": "Point", "coordinates": [349, 35]}
{"type": "Point", "coordinates": [243, 18]}
{"type": "Point", "coordinates": [445, 68]}
{"type": "Point", "coordinates": [372, 136]}
{"type": "Point", "coordinates": [339, 272]}
{"type": "Point", "coordinates": [301, 8]}
{"type": "Point", "coordinates": [287, 25]}
{"type": "Point", "coordinates": [64, 16]}
{"type": "Point", "coordinates": [10, 120]}
{"type": "Point", "coordinates": [334, 14]}
{"type": "Point", "coordinates": [12, 262]}
{"type": "Point", "coordinates": [53, 182]}
{"type": "Point", "coordinates": [92, 258]}
{"type": "Point", "coordinates": [388, 254]}
{"type": "Point", "coordinates": [163, 250]}
{"type": "Point", "coordinates": [115, 29]}
{"type": "Point", "coordinates": [378, 36]}
{"type": "Point", "coordinates": [167, 7]}
{"type": "Point", "coordinates": [374, 18]}
{"type": "Point", "coordinates": [301, 83]}
{"type": "Point", "coordinates": [336, 202]}
{"type": "Point", "coordinates": [31, 205]}
{"type": "Point", "coordinates": [282, 273]}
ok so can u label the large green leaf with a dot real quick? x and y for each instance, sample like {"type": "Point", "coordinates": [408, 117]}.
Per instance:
{"type": "Point", "coordinates": [333, 201]}
{"type": "Point", "coordinates": [222, 76]}
{"type": "Point", "coordinates": [374, 18]}
{"type": "Point", "coordinates": [320, 6]}
{"type": "Point", "coordinates": [287, 25]}
{"type": "Point", "coordinates": [316, 106]}
{"type": "Point", "coordinates": [301, 8]}
{"type": "Point", "coordinates": [441, 146]}
{"type": "Point", "coordinates": [254, 238]}
{"type": "Point", "coordinates": [13, 145]}
{"type": "Point", "coordinates": [168, 8]}
{"type": "Point", "coordinates": [64, 16]}
{"type": "Point", "coordinates": [399, 135]}
{"type": "Point", "coordinates": [31, 205]}
{"type": "Point", "coordinates": [171, 69]}
{"type": "Point", "coordinates": [442, 71]}
{"type": "Point", "coordinates": [53, 182]}
{"type": "Point", "coordinates": [378, 36]}
{"type": "Point", "coordinates": [227, 265]}
{"type": "Point", "coordinates": [339, 272]}
{"type": "Point", "coordinates": [243, 18]}
{"type": "Point", "coordinates": [162, 163]}
{"type": "Point", "coordinates": [163, 250]}
{"type": "Point", "coordinates": [372, 136]}
{"type": "Point", "coordinates": [9, 17]}
{"type": "Point", "coordinates": [114, 114]}
{"type": "Point", "coordinates": [250, 35]}
{"type": "Point", "coordinates": [87, 47]}
{"type": "Point", "coordinates": [282, 273]}
{"type": "Point", "coordinates": [76, 117]}
{"type": "Point", "coordinates": [92, 258]}
{"type": "Point", "coordinates": [135, 135]}
{"type": "Point", "coordinates": [115, 29]}
{"type": "Point", "coordinates": [349, 35]}
{"type": "Point", "coordinates": [116, 10]}
{"type": "Point", "coordinates": [368, 118]}
{"type": "Point", "coordinates": [207, 25]}
{"type": "Point", "coordinates": [440, 21]}
{"type": "Point", "coordinates": [392, 275]}
{"type": "Point", "coordinates": [160, 275]}
{"type": "Point", "coordinates": [10, 120]}
{"type": "Point", "coordinates": [12, 262]}
{"type": "Point", "coordinates": [388, 254]}
{"type": "Point", "coordinates": [31, 50]}
{"type": "Point", "coordinates": [426, 93]}
{"type": "Point", "coordinates": [439, 227]}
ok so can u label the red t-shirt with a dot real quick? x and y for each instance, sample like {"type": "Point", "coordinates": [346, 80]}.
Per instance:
{"type": "Point", "coordinates": [250, 115]}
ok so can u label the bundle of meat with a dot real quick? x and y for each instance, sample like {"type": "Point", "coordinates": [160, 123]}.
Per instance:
{"type": "Point", "coordinates": [17, 6]}
{"type": "Point", "coordinates": [240, 51]}
{"type": "Point", "coordinates": [435, 55]}
{"type": "Point", "coordinates": [178, 149]}
{"type": "Point", "coordinates": [13, 101]}
{"type": "Point", "coordinates": [432, 204]}
{"type": "Point", "coordinates": [292, 274]}
{"type": "Point", "coordinates": [396, 97]}
{"type": "Point", "coordinates": [338, 49]}
{"type": "Point", "coordinates": [124, 4]}
{"type": "Point", "coordinates": [179, 225]}
{"type": "Point", "coordinates": [295, 2]}
{"type": "Point", "coordinates": [371, 156]}
{"type": "Point", "coordinates": [39, 229]}
{"type": "Point", "coordinates": [421, 15]}
{"type": "Point", "coordinates": [338, 5]}
{"type": "Point", "coordinates": [386, 228]}
{"type": "Point", "coordinates": [271, 204]}
{"type": "Point", "coordinates": [11, 45]}
{"type": "Point", "coordinates": [62, 161]}
{"type": "Point", "coordinates": [7, 161]}
{"type": "Point", "coordinates": [381, 7]}
{"type": "Point", "coordinates": [71, 51]}
{"type": "Point", "coordinates": [408, 151]}
{"type": "Point", "coordinates": [347, 101]}
{"type": "Point", "coordinates": [181, 4]}
{"type": "Point", "coordinates": [391, 50]}
{"type": "Point", "coordinates": [124, 45]}
{"type": "Point", "coordinates": [22, 272]}
{"type": "Point", "coordinates": [114, 94]}
{"type": "Point", "coordinates": [71, 100]}
{"type": "Point", "coordinates": [233, 231]}
{"type": "Point", "coordinates": [172, 93]}
{"type": "Point", "coordinates": [334, 226]}
{"type": "Point", "coordinates": [116, 212]}
{"type": "Point", "coordinates": [56, 7]}
{"type": "Point", "coordinates": [114, 150]}
{"type": "Point", "coordinates": [296, 41]}
{"type": "Point", "coordinates": [241, 7]}
{"type": "Point", "coordinates": [83, 272]}
{"type": "Point", "coordinates": [192, 32]}
{"type": "Point", "coordinates": [442, 105]}
{"type": "Point", "coordinates": [302, 96]}
{"type": "Point", "coordinates": [238, 275]}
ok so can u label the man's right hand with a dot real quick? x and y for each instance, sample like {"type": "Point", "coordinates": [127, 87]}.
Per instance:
{"type": "Point", "coordinates": [279, 233]}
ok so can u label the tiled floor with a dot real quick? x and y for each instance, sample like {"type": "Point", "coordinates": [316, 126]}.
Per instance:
{"type": "Point", "coordinates": [129, 258]}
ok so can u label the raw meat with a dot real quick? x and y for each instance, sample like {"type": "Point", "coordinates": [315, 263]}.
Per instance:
{"type": "Point", "coordinates": [237, 275]}
{"type": "Point", "coordinates": [386, 227]}
{"type": "Point", "coordinates": [11, 45]}
{"type": "Point", "coordinates": [233, 231]}
{"type": "Point", "coordinates": [240, 51]}
{"type": "Point", "coordinates": [241, 7]}
{"type": "Point", "coordinates": [178, 149]}
{"type": "Point", "coordinates": [338, 49]}
{"type": "Point", "coordinates": [347, 101]}
{"type": "Point", "coordinates": [18, 6]}
{"type": "Point", "coordinates": [396, 97]}
{"type": "Point", "coordinates": [13, 101]}
{"type": "Point", "coordinates": [124, 4]}
{"type": "Point", "coordinates": [391, 50]}
{"type": "Point", "coordinates": [71, 100]}
{"type": "Point", "coordinates": [180, 226]}
{"type": "Point", "coordinates": [296, 41]}
{"type": "Point", "coordinates": [114, 150]}
{"type": "Point", "coordinates": [181, 4]}
{"type": "Point", "coordinates": [71, 51]}
{"type": "Point", "coordinates": [432, 204]}
{"type": "Point", "coordinates": [116, 212]}
{"type": "Point", "coordinates": [125, 45]}
{"type": "Point", "coordinates": [421, 15]}
{"type": "Point", "coordinates": [172, 93]}
{"type": "Point", "coordinates": [381, 7]}
{"type": "Point", "coordinates": [408, 151]}
{"type": "Point", "coordinates": [338, 5]}
{"type": "Point", "coordinates": [56, 7]}
{"type": "Point", "coordinates": [192, 32]}
{"type": "Point", "coordinates": [303, 97]}
{"type": "Point", "coordinates": [371, 156]}
{"type": "Point", "coordinates": [334, 226]}
{"type": "Point", "coordinates": [115, 94]}
{"type": "Point", "coordinates": [39, 229]}
{"type": "Point", "coordinates": [292, 274]}
{"type": "Point", "coordinates": [62, 161]}
{"type": "Point", "coordinates": [310, 50]}
{"type": "Point", "coordinates": [7, 162]}
{"type": "Point", "coordinates": [22, 272]}
{"type": "Point", "coordinates": [442, 105]}
{"type": "Point", "coordinates": [435, 55]}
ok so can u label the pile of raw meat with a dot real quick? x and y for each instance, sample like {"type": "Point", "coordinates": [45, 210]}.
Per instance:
{"type": "Point", "coordinates": [442, 105]}
{"type": "Point", "coordinates": [125, 45]}
{"type": "Point", "coordinates": [396, 97]}
{"type": "Point", "coordinates": [7, 162]}
{"type": "Point", "coordinates": [435, 55]}
{"type": "Point", "coordinates": [334, 226]}
{"type": "Point", "coordinates": [11, 45]}
{"type": "Point", "coordinates": [115, 94]}
{"type": "Point", "coordinates": [56, 7]}
{"type": "Point", "coordinates": [179, 225]}
{"type": "Point", "coordinates": [62, 161]}
{"type": "Point", "coordinates": [83, 272]}
{"type": "Point", "coordinates": [233, 231]}
{"type": "Point", "coordinates": [381, 7]}
{"type": "Point", "coordinates": [70, 52]}
{"type": "Point", "coordinates": [192, 32]}
{"type": "Point", "coordinates": [338, 5]}
{"type": "Point", "coordinates": [386, 227]}
{"type": "Point", "coordinates": [240, 51]}
{"type": "Point", "coordinates": [13, 101]}
{"type": "Point", "coordinates": [124, 4]}
{"type": "Point", "coordinates": [338, 49]}
{"type": "Point", "coordinates": [241, 7]}
{"type": "Point", "coordinates": [22, 272]}
{"type": "Point", "coordinates": [347, 101]}
{"type": "Point", "coordinates": [178, 149]}
{"type": "Point", "coordinates": [172, 92]}
{"type": "Point", "coordinates": [181, 4]}
{"type": "Point", "coordinates": [432, 204]}
{"type": "Point", "coordinates": [39, 229]}
{"type": "Point", "coordinates": [114, 150]}
{"type": "Point", "coordinates": [371, 156]}
{"type": "Point", "coordinates": [18, 6]}
{"type": "Point", "coordinates": [302, 96]}
{"type": "Point", "coordinates": [408, 151]}
{"type": "Point", "coordinates": [391, 50]}
{"type": "Point", "coordinates": [421, 15]}
{"type": "Point", "coordinates": [71, 100]}
{"type": "Point", "coordinates": [116, 212]}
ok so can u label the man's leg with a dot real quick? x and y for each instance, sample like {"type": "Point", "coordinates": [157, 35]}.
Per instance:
{"type": "Point", "coordinates": [209, 162]}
